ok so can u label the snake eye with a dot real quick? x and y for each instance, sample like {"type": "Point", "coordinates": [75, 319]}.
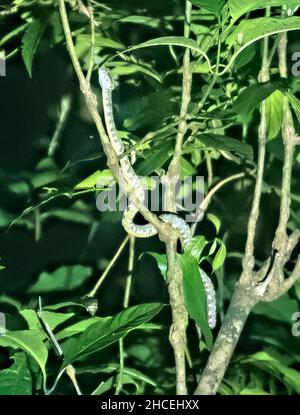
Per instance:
{"type": "Point", "coordinates": [105, 79]}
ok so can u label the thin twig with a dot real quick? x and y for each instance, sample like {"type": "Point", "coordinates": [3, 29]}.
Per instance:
{"type": "Point", "coordinates": [112, 262]}
{"type": "Point", "coordinates": [177, 334]}
{"type": "Point", "coordinates": [91, 60]}
{"type": "Point", "coordinates": [130, 270]}
{"type": "Point", "coordinates": [125, 305]}
{"type": "Point", "coordinates": [208, 198]}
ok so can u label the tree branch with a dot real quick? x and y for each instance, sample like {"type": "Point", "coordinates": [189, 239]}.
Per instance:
{"type": "Point", "coordinates": [244, 296]}
{"type": "Point", "coordinates": [177, 334]}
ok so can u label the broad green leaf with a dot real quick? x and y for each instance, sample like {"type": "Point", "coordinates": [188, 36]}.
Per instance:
{"type": "Point", "coordinates": [30, 41]}
{"type": "Point", "coordinates": [105, 386]}
{"type": "Point", "coordinates": [88, 303]}
{"type": "Point", "coordinates": [98, 178]}
{"type": "Point", "coordinates": [214, 6]}
{"type": "Point", "coordinates": [100, 41]}
{"type": "Point", "coordinates": [128, 68]}
{"type": "Point", "coordinates": [284, 373]}
{"type": "Point", "coordinates": [53, 319]}
{"type": "Point", "coordinates": [142, 20]}
{"type": "Point", "coordinates": [295, 104]}
{"type": "Point", "coordinates": [239, 7]}
{"type": "Point", "coordinates": [16, 380]}
{"type": "Point", "coordinates": [249, 391]}
{"type": "Point", "coordinates": [215, 220]}
{"type": "Point", "coordinates": [109, 330]}
{"type": "Point", "coordinates": [172, 41]}
{"type": "Point", "coordinates": [31, 342]}
{"type": "Point", "coordinates": [186, 168]}
{"type": "Point", "coordinates": [62, 279]}
{"type": "Point", "coordinates": [219, 258]}
{"type": "Point", "coordinates": [274, 113]}
{"type": "Point", "coordinates": [224, 143]}
{"type": "Point", "coordinates": [77, 328]}
{"type": "Point", "coordinates": [251, 30]}
{"type": "Point", "coordinates": [155, 159]}
{"type": "Point", "coordinates": [194, 295]}
{"type": "Point", "coordinates": [161, 261]}
{"type": "Point", "coordinates": [279, 310]}
{"type": "Point", "coordinates": [252, 96]}
{"type": "Point", "coordinates": [113, 367]}
{"type": "Point", "coordinates": [245, 57]}
{"type": "Point", "coordinates": [143, 113]}
{"type": "Point", "coordinates": [196, 246]}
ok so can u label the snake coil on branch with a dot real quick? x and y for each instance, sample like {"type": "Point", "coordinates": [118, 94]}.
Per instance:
{"type": "Point", "coordinates": [132, 180]}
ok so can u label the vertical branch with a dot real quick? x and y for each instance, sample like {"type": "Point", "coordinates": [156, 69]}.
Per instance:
{"type": "Point", "coordinates": [244, 297]}
{"type": "Point", "coordinates": [248, 261]}
{"type": "Point", "coordinates": [174, 167]}
{"type": "Point", "coordinates": [288, 135]}
{"type": "Point", "coordinates": [177, 334]}
{"type": "Point", "coordinates": [92, 51]}
{"type": "Point", "coordinates": [130, 270]}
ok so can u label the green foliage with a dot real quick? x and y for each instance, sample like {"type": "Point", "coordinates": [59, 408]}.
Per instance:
{"type": "Point", "coordinates": [108, 330]}
{"type": "Point", "coordinates": [56, 244]}
{"type": "Point", "coordinates": [194, 295]}
{"type": "Point", "coordinates": [64, 278]}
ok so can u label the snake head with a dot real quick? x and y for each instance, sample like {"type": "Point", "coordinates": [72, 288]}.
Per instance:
{"type": "Point", "coordinates": [105, 79]}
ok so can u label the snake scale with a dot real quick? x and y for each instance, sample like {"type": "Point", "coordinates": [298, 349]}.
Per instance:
{"type": "Point", "coordinates": [132, 180]}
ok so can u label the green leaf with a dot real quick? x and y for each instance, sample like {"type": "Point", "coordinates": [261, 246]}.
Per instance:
{"type": "Point", "coordinates": [239, 7]}
{"type": "Point", "coordinates": [88, 303]}
{"type": "Point", "coordinates": [53, 319]}
{"type": "Point", "coordinates": [220, 257]}
{"type": "Point", "coordinates": [100, 41]}
{"type": "Point", "coordinates": [128, 68]}
{"type": "Point", "coordinates": [16, 380]}
{"type": "Point", "coordinates": [295, 104]}
{"type": "Point", "coordinates": [31, 341]}
{"type": "Point", "coordinates": [30, 41]}
{"type": "Point", "coordinates": [215, 220]}
{"type": "Point", "coordinates": [196, 246]}
{"type": "Point", "coordinates": [224, 143]}
{"type": "Point", "coordinates": [274, 113]}
{"type": "Point", "coordinates": [62, 279]}
{"type": "Point", "coordinates": [214, 6]}
{"type": "Point", "coordinates": [279, 310]}
{"type": "Point", "coordinates": [252, 96]}
{"type": "Point", "coordinates": [109, 330]}
{"type": "Point", "coordinates": [98, 178]}
{"type": "Point", "coordinates": [171, 41]}
{"type": "Point", "coordinates": [77, 328]}
{"type": "Point", "coordinates": [194, 295]}
{"type": "Point", "coordinates": [186, 168]}
{"type": "Point", "coordinates": [161, 261]}
{"type": "Point", "coordinates": [253, 391]}
{"type": "Point", "coordinates": [15, 32]}
{"type": "Point", "coordinates": [284, 373]}
{"type": "Point", "coordinates": [155, 159]}
{"type": "Point", "coordinates": [251, 30]}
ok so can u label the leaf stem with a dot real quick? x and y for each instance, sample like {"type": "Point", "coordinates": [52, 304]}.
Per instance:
{"type": "Point", "coordinates": [112, 262]}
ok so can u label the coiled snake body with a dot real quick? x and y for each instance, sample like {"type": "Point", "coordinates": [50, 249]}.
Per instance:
{"type": "Point", "coordinates": [130, 177]}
